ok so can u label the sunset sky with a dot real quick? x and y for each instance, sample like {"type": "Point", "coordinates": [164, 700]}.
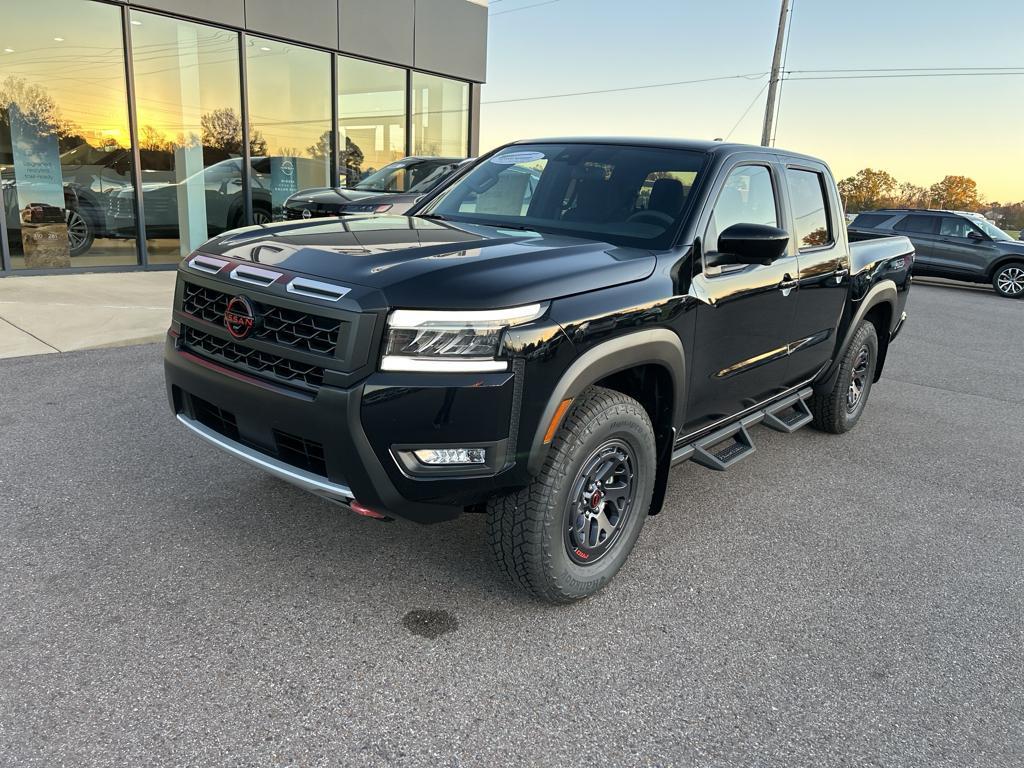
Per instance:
{"type": "Point", "coordinates": [919, 129]}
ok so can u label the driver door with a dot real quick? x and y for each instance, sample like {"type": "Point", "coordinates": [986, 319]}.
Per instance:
{"type": "Point", "coordinates": [746, 313]}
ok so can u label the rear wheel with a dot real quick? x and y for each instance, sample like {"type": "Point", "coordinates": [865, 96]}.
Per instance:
{"type": "Point", "coordinates": [80, 232]}
{"type": "Point", "coordinates": [566, 535]}
{"type": "Point", "coordinates": [840, 409]}
{"type": "Point", "coordinates": [1008, 280]}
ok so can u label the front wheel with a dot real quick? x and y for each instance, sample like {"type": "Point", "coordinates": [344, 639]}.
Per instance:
{"type": "Point", "coordinates": [1008, 280]}
{"type": "Point", "coordinates": [566, 535]}
{"type": "Point", "coordinates": [840, 409]}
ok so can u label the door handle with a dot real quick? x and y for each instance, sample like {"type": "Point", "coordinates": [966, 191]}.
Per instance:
{"type": "Point", "coordinates": [787, 285]}
{"type": "Point", "coordinates": [839, 274]}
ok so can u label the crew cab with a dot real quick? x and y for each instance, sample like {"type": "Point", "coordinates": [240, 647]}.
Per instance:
{"type": "Point", "coordinates": [959, 245]}
{"type": "Point", "coordinates": [542, 341]}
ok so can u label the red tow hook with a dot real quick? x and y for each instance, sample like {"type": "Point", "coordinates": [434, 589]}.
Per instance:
{"type": "Point", "coordinates": [359, 509]}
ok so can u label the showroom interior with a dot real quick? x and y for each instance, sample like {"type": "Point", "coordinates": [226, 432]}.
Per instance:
{"type": "Point", "coordinates": [215, 113]}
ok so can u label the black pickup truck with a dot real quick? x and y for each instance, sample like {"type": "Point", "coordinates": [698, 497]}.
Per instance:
{"type": "Point", "coordinates": [541, 341]}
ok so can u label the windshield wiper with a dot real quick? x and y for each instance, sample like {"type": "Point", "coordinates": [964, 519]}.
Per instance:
{"type": "Point", "coordinates": [436, 216]}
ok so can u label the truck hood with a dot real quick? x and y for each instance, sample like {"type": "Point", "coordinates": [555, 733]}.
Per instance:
{"type": "Point", "coordinates": [430, 264]}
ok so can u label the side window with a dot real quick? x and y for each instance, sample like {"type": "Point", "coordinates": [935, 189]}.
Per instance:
{"type": "Point", "coordinates": [870, 220]}
{"type": "Point", "coordinates": [810, 209]}
{"type": "Point", "coordinates": [921, 225]}
{"type": "Point", "coordinates": [954, 226]}
{"type": "Point", "coordinates": [748, 197]}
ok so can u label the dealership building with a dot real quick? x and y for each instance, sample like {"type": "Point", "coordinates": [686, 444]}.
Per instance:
{"type": "Point", "coordinates": [130, 132]}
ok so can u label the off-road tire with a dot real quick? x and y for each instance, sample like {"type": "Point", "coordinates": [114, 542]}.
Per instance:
{"type": "Point", "coordinates": [831, 410]}
{"type": "Point", "coordinates": [1007, 279]}
{"type": "Point", "coordinates": [527, 530]}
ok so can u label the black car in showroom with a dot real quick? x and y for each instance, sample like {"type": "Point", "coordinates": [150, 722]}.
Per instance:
{"type": "Point", "coordinates": [955, 244]}
{"type": "Point", "coordinates": [394, 189]}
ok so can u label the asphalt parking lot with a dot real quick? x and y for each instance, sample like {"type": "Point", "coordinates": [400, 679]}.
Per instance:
{"type": "Point", "coordinates": [853, 600]}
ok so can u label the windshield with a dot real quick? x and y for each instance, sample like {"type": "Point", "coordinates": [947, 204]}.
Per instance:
{"type": "Point", "coordinates": [990, 229]}
{"type": "Point", "coordinates": [401, 176]}
{"type": "Point", "coordinates": [632, 196]}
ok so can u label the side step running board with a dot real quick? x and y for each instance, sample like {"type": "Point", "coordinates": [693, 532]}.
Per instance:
{"type": "Point", "coordinates": [788, 415]}
{"type": "Point", "coordinates": [731, 444]}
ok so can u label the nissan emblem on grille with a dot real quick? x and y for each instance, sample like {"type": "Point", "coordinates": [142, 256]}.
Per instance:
{"type": "Point", "coordinates": [239, 317]}
{"type": "Point", "coordinates": [306, 213]}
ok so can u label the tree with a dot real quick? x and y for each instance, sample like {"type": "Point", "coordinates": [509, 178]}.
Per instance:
{"type": "Point", "coordinates": [222, 130]}
{"type": "Point", "coordinates": [911, 196]}
{"type": "Point", "coordinates": [958, 193]}
{"type": "Point", "coordinates": [352, 161]}
{"type": "Point", "coordinates": [322, 149]}
{"type": "Point", "coordinates": [152, 139]}
{"type": "Point", "coordinates": [867, 190]}
{"type": "Point", "coordinates": [38, 108]}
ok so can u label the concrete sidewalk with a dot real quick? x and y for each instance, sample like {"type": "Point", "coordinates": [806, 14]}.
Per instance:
{"type": "Point", "coordinates": [59, 313]}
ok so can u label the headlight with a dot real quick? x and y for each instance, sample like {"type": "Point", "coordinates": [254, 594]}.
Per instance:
{"type": "Point", "coordinates": [424, 340]}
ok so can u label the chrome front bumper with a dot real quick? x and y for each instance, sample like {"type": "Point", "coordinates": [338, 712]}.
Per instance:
{"type": "Point", "coordinates": [307, 481]}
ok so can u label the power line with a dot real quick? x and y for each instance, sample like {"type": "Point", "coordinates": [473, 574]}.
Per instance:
{"type": "Point", "coordinates": [747, 110]}
{"type": "Point", "coordinates": [909, 75]}
{"type": "Point", "coordinates": [525, 7]}
{"type": "Point", "coordinates": [750, 76]}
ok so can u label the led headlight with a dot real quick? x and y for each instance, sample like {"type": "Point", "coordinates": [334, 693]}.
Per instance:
{"type": "Point", "coordinates": [427, 340]}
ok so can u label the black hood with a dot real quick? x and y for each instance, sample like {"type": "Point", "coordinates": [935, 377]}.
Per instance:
{"type": "Point", "coordinates": [422, 263]}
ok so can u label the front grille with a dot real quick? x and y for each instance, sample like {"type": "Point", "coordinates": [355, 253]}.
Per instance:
{"type": "Point", "coordinates": [297, 330]}
{"type": "Point", "coordinates": [263, 363]}
{"type": "Point", "coordinates": [291, 449]}
{"type": "Point", "coordinates": [300, 452]}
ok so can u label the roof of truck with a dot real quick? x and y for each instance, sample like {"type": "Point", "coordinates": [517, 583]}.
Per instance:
{"type": "Point", "coordinates": [693, 145]}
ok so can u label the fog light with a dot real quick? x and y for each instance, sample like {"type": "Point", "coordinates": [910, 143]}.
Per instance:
{"type": "Point", "coordinates": [439, 456]}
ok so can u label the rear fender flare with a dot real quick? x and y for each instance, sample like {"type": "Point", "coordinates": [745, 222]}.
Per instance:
{"type": "Point", "coordinates": [658, 346]}
{"type": "Point", "coordinates": [883, 292]}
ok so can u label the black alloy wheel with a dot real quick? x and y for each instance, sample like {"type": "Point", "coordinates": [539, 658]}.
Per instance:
{"type": "Point", "coordinates": [858, 378]}
{"type": "Point", "coordinates": [600, 502]}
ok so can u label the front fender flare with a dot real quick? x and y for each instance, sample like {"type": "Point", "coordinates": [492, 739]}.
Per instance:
{"type": "Point", "coordinates": [659, 346]}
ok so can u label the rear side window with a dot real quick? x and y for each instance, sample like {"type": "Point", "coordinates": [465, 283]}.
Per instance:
{"type": "Point", "coordinates": [870, 220]}
{"type": "Point", "coordinates": [810, 211]}
{"type": "Point", "coordinates": [922, 225]}
{"type": "Point", "coordinates": [955, 226]}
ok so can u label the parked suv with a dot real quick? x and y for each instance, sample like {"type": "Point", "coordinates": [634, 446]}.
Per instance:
{"type": "Point", "coordinates": [541, 341]}
{"type": "Point", "coordinates": [954, 244]}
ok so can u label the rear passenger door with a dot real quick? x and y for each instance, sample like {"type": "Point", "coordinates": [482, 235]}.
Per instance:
{"type": "Point", "coordinates": [923, 231]}
{"type": "Point", "coordinates": [823, 264]}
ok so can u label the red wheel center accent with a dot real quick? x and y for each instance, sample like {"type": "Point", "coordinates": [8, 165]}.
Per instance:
{"type": "Point", "coordinates": [595, 499]}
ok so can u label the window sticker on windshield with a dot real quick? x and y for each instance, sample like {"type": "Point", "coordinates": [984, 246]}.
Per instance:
{"type": "Point", "coordinates": [513, 158]}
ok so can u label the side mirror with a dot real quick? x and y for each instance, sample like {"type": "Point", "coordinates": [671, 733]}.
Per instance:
{"type": "Point", "coordinates": [751, 244]}
{"type": "Point", "coordinates": [975, 235]}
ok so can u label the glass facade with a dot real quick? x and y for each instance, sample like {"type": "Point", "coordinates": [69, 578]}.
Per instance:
{"type": "Point", "coordinates": [439, 110]}
{"type": "Point", "coordinates": [371, 117]}
{"type": "Point", "coordinates": [189, 104]}
{"type": "Point", "coordinates": [289, 122]}
{"type": "Point", "coordinates": [79, 140]}
{"type": "Point", "coordinates": [65, 146]}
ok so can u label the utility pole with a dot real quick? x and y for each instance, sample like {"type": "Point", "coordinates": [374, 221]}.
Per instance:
{"type": "Point", "coordinates": [773, 83]}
